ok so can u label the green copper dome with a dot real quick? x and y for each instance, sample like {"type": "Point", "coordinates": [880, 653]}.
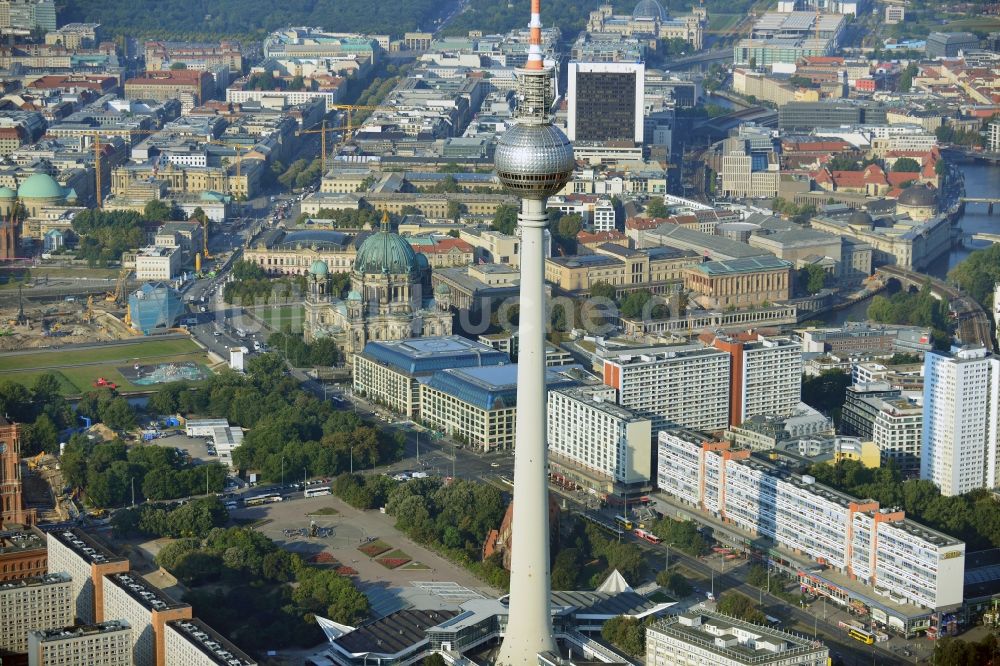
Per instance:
{"type": "Point", "coordinates": [319, 268]}
{"type": "Point", "coordinates": [7, 193]}
{"type": "Point", "coordinates": [41, 186]}
{"type": "Point", "coordinates": [385, 252]}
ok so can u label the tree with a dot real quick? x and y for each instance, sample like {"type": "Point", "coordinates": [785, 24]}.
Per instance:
{"type": "Point", "coordinates": [906, 77]}
{"type": "Point", "coordinates": [39, 436]}
{"type": "Point", "coordinates": [247, 270]}
{"type": "Point", "coordinates": [16, 402]}
{"type": "Point", "coordinates": [681, 534]}
{"type": "Point", "coordinates": [813, 278]}
{"type": "Point", "coordinates": [569, 226]}
{"type": "Point", "coordinates": [178, 65]}
{"type": "Point", "coordinates": [565, 569]}
{"type": "Point", "coordinates": [455, 210]}
{"type": "Point", "coordinates": [656, 208]}
{"type": "Point", "coordinates": [906, 165]}
{"type": "Point", "coordinates": [675, 582]}
{"type": "Point", "coordinates": [741, 607]}
{"type": "Point", "coordinates": [843, 162]}
{"type": "Point", "coordinates": [118, 414]}
{"type": "Point", "coordinates": [627, 633]}
{"type": "Point", "coordinates": [827, 391]}
{"type": "Point", "coordinates": [505, 220]}
{"type": "Point", "coordinates": [603, 290]}
{"type": "Point", "coordinates": [157, 210]}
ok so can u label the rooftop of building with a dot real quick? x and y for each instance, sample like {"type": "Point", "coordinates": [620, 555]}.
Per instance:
{"type": "Point", "coordinates": [585, 261]}
{"type": "Point", "coordinates": [169, 77]}
{"type": "Point", "coordinates": [318, 239]}
{"type": "Point", "coordinates": [742, 265]}
{"type": "Point", "coordinates": [591, 395]}
{"type": "Point", "coordinates": [641, 355]}
{"type": "Point", "coordinates": [737, 641]}
{"type": "Point", "coordinates": [84, 546]}
{"type": "Point", "coordinates": [35, 581]}
{"type": "Point", "coordinates": [798, 237]}
{"type": "Point", "coordinates": [17, 541]}
{"type": "Point", "coordinates": [207, 423]}
{"type": "Point", "coordinates": [215, 646]}
{"type": "Point", "coordinates": [394, 632]}
{"type": "Point", "coordinates": [425, 355]}
{"type": "Point", "coordinates": [152, 598]}
{"type": "Point", "coordinates": [713, 245]}
{"type": "Point", "coordinates": [495, 387]}
{"type": "Point", "coordinates": [461, 278]}
{"type": "Point", "coordinates": [65, 633]}
{"type": "Point", "coordinates": [156, 251]}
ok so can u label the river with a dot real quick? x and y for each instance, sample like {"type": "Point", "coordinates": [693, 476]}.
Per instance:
{"type": "Point", "coordinates": [981, 180]}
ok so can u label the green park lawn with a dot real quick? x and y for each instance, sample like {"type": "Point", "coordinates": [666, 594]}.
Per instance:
{"type": "Point", "coordinates": [77, 369]}
{"type": "Point", "coordinates": [723, 22]}
{"type": "Point", "coordinates": [276, 317]}
{"type": "Point", "coordinates": [978, 23]}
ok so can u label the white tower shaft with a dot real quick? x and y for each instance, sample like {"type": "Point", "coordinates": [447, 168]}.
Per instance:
{"type": "Point", "coordinates": [529, 624]}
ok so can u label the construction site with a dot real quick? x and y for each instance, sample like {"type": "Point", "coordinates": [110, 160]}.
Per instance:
{"type": "Point", "coordinates": [33, 318]}
{"type": "Point", "coordinates": [43, 487]}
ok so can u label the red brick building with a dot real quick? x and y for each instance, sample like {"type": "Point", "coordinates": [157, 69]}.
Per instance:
{"type": "Point", "coordinates": [12, 509]}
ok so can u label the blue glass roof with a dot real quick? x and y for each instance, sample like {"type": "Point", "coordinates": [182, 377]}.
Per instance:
{"type": "Point", "coordinates": [491, 387]}
{"type": "Point", "coordinates": [154, 305]}
{"type": "Point", "coordinates": [425, 355]}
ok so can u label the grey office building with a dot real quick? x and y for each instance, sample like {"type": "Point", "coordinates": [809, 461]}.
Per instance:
{"type": "Point", "coordinates": [804, 116]}
{"type": "Point", "coordinates": [949, 44]}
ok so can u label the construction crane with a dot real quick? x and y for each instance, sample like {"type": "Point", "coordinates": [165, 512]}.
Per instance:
{"type": "Point", "coordinates": [96, 136]}
{"type": "Point", "coordinates": [349, 128]}
{"type": "Point", "coordinates": [204, 237]}
{"type": "Point", "coordinates": [239, 158]}
{"type": "Point", "coordinates": [118, 295]}
{"type": "Point", "coordinates": [350, 108]}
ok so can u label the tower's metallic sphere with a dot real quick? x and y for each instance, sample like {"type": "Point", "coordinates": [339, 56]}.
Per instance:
{"type": "Point", "coordinates": [534, 161]}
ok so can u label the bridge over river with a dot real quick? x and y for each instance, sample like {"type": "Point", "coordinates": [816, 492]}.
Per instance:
{"type": "Point", "coordinates": [973, 324]}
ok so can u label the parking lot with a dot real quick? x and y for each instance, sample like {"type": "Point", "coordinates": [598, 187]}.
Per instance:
{"type": "Point", "coordinates": [194, 446]}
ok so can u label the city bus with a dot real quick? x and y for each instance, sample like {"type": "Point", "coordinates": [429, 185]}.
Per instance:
{"type": "Point", "coordinates": [647, 536]}
{"type": "Point", "coordinates": [263, 499]}
{"type": "Point", "coordinates": [318, 491]}
{"type": "Point", "coordinates": [865, 637]}
{"type": "Point", "coordinates": [624, 522]}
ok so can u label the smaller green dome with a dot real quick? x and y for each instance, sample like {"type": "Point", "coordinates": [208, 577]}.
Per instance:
{"type": "Point", "coordinates": [442, 288]}
{"type": "Point", "coordinates": [7, 193]}
{"type": "Point", "coordinates": [353, 296]}
{"type": "Point", "coordinates": [41, 186]}
{"type": "Point", "coordinates": [319, 268]}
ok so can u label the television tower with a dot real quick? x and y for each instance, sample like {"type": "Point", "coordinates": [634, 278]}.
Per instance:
{"type": "Point", "coordinates": [533, 160]}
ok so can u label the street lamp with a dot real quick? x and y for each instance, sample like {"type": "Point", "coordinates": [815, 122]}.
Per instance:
{"type": "Point", "coordinates": [282, 471]}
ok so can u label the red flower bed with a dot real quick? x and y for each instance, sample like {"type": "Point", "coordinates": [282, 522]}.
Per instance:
{"type": "Point", "coordinates": [392, 562]}
{"type": "Point", "coordinates": [374, 549]}
{"type": "Point", "coordinates": [323, 558]}
{"type": "Point", "coordinates": [347, 571]}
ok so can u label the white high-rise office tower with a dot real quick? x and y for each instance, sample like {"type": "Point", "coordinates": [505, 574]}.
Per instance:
{"type": "Point", "coordinates": [958, 449]}
{"type": "Point", "coordinates": [533, 160]}
{"type": "Point", "coordinates": [996, 287]}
